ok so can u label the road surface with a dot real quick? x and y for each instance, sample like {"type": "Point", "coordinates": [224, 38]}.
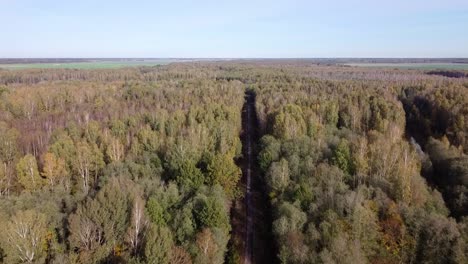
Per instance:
{"type": "Point", "coordinates": [248, 175]}
{"type": "Point", "coordinates": [251, 216]}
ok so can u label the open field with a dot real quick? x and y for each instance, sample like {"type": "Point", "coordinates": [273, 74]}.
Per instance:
{"type": "Point", "coordinates": [98, 64]}
{"type": "Point", "coordinates": [418, 66]}
{"type": "Point", "coordinates": [116, 63]}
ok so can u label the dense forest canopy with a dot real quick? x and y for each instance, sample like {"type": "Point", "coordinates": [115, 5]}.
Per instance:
{"type": "Point", "coordinates": [118, 167]}
{"type": "Point", "coordinates": [348, 182]}
{"type": "Point", "coordinates": [138, 165]}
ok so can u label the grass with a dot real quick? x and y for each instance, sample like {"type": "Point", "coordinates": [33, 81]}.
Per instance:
{"type": "Point", "coordinates": [86, 65]}
{"type": "Point", "coordinates": [418, 66]}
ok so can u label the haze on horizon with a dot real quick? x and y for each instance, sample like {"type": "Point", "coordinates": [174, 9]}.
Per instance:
{"type": "Point", "coordinates": [222, 29]}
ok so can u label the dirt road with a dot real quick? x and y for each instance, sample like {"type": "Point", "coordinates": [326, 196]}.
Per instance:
{"type": "Point", "coordinates": [251, 216]}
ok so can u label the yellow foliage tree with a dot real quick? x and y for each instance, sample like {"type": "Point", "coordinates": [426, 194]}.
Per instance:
{"type": "Point", "coordinates": [54, 170]}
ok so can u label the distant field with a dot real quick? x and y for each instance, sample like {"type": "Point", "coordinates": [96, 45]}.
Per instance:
{"type": "Point", "coordinates": [420, 66]}
{"type": "Point", "coordinates": [115, 64]}
{"type": "Point", "coordinates": [87, 65]}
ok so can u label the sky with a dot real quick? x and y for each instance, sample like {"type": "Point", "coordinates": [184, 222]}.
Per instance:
{"type": "Point", "coordinates": [233, 29]}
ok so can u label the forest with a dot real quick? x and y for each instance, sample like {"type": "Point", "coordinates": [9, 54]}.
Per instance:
{"type": "Point", "coordinates": [144, 164]}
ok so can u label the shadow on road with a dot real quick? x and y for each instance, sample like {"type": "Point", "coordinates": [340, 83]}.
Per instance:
{"type": "Point", "coordinates": [251, 215]}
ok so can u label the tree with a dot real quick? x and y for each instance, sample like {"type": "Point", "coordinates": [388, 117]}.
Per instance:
{"type": "Point", "coordinates": [180, 256]}
{"type": "Point", "coordinates": [206, 246]}
{"type": "Point", "coordinates": [8, 153]}
{"type": "Point", "coordinates": [64, 148]}
{"type": "Point", "coordinates": [289, 122]}
{"type": "Point", "coordinates": [54, 171]}
{"type": "Point", "coordinates": [183, 223]}
{"type": "Point", "coordinates": [160, 204]}
{"type": "Point", "coordinates": [98, 226]}
{"type": "Point", "coordinates": [158, 245]}
{"type": "Point", "coordinates": [331, 114]}
{"type": "Point", "coordinates": [210, 212]}
{"type": "Point", "coordinates": [189, 176]}
{"type": "Point", "coordinates": [270, 151]}
{"type": "Point", "coordinates": [86, 235]}
{"type": "Point", "coordinates": [223, 171]}
{"type": "Point", "coordinates": [342, 157]}
{"type": "Point", "coordinates": [89, 160]}
{"type": "Point", "coordinates": [289, 219]}
{"type": "Point", "coordinates": [342, 250]}
{"type": "Point", "coordinates": [156, 212]}
{"type": "Point", "coordinates": [26, 234]}
{"type": "Point", "coordinates": [138, 224]}
{"type": "Point", "coordinates": [5, 179]}
{"type": "Point", "coordinates": [441, 241]}
{"type": "Point", "coordinates": [28, 174]}
{"type": "Point", "coordinates": [115, 150]}
{"type": "Point", "coordinates": [8, 146]}
{"type": "Point", "coordinates": [278, 176]}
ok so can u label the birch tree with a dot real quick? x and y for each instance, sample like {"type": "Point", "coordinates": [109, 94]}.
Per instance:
{"type": "Point", "coordinates": [28, 174]}
{"type": "Point", "coordinates": [26, 234]}
{"type": "Point", "coordinates": [88, 163]}
{"type": "Point", "coordinates": [138, 225]}
{"type": "Point", "coordinates": [55, 172]}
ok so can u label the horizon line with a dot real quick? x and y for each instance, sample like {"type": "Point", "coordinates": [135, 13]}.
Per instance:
{"type": "Point", "coordinates": [343, 57]}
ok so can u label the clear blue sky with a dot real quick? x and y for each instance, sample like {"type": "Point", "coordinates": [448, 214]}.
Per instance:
{"type": "Point", "coordinates": [236, 28]}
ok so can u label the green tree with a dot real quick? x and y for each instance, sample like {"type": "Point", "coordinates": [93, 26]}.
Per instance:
{"type": "Point", "coordinates": [156, 212]}
{"type": "Point", "coordinates": [342, 157]}
{"type": "Point", "coordinates": [182, 166]}
{"type": "Point", "coordinates": [25, 237]}
{"type": "Point", "coordinates": [270, 151]}
{"type": "Point", "coordinates": [289, 122]}
{"type": "Point", "coordinates": [188, 175]}
{"type": "Point", "coordinates": [210, 212]}
{"type": "Point", "coordinates": [98, 225]}
{"type": "Point", "coordinates": [289, 219]}
{"type": "Point", "coordinates": [158, 245]}
{"type": "Point", "coordinates": [64, 148]}
{"type": "Point", "coordinates": [183, 223]}
{"type": "Point", "coordinates": [28, 174]}
{"type": "Point", "coordinates": [278, 176]}
{"type": "Point", "coordinates": [223, 171]}
{"type": "Point", "coordinates": [161, 203]}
